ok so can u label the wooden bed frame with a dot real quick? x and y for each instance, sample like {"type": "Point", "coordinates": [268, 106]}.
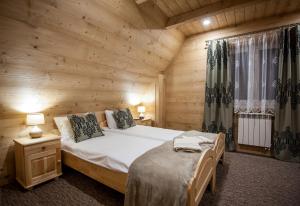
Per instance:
{"type": "Point", "coordinates": [219, 148]}
{"type": "Point", "coordinates": [205, 173]}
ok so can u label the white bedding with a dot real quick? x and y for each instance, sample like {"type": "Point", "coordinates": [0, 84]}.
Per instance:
{"type": "Point", "coordinates": [120, 147]}
{"type": "Point", "coordinates": [154, 133]}
{"type": "Point", "coordinates": [114, 151]}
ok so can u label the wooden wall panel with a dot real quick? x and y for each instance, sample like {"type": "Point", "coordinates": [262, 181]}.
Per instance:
{"type": "Point", "coordinates": [185, 77]}
{"type": "Point", "coordinates": [75, 56]}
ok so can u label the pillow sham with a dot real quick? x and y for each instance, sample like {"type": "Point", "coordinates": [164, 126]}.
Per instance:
{"type": "Point", "coordinates": [64, 127]}
{"type": "Point", "coordinates": [85, 126]}
{"type": "Point", "coordinates": [123, 118]}
{"type": "Point", "coordinates": [111, 122]}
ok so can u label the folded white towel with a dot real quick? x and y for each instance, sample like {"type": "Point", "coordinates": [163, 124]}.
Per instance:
{"type": "Point", "coordinates": [187, 142]}
{"type": "Point", "coordinates": [192, 143]}
{"type": "Point", "coordinates": [199, 139]}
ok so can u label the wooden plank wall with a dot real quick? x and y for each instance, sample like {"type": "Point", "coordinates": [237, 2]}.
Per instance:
{"type": "Point", "coordinates": [185, 77]}
{"type": "Point", "coordinates": [74, 56]}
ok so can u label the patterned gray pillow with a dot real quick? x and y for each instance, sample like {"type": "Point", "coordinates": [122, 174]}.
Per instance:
{"type": "Point", "coordinates": [123, 118]}
{"type": "Point", "coordinates": [85, 126]}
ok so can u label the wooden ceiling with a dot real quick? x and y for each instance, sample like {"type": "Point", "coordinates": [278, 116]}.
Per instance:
{"type": "Point", "coordinates": [188, 15]}
{"type": "Point", "coordinates": [175, 7]}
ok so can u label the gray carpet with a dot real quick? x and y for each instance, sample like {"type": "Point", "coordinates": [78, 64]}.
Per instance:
{"type": "Point", "coordinates": [243, 180]}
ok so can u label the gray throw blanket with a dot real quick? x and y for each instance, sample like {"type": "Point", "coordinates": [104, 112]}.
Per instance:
{"type": "Point", "coordinates": [160, 177]}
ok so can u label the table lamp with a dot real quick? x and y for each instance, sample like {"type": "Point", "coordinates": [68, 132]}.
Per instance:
{"type": "Point", "coordinates": [141, 110]}
{"type": "Point", "coordinates": [35, 119]}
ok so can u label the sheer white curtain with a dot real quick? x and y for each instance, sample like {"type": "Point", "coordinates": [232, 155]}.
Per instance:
{"type": "Point", "coordinates": [254, 59]}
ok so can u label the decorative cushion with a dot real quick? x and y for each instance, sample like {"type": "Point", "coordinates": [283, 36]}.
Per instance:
{"type": "Point", "coordinates": [111, 122]}
{"type": "Point", "coordinates": [123, 118]}
{"type": "Point", "coordinates": [85, 126]}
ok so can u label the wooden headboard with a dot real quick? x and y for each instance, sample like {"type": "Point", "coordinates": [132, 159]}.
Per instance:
{"type": "Point", "coordinates": [101, 118]}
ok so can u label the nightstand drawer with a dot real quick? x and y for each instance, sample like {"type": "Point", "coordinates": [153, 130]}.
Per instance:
{"type": "Point", "coordinates": [37, 148]}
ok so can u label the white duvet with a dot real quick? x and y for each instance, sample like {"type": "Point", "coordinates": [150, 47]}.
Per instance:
{"type": "Point", "coordinates": [155, 133]}
{"type": "Point", "coordinates": [119, 148]}
{"type": "Point", "coordinates": [114, 151]}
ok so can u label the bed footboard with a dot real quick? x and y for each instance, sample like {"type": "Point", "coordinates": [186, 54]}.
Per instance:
{"type": "Point", "coordinates": [219, 148]}
{"type": "Point", "coordinates": [204, 174]}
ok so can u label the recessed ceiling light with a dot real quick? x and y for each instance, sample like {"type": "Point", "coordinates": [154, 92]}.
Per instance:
{"type": "Point", "coordinates": [206, 22]}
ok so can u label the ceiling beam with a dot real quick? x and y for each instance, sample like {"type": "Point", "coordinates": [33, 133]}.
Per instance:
{"type": "Point", "coordinates": [153, 16]}
{"type": "Point", "coordinates": [208, 11]}
{"type": "Point", "coordinates": [140, 1]}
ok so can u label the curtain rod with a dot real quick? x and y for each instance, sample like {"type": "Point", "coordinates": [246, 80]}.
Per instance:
{"type": "Point", "coordinates": [254, 32]}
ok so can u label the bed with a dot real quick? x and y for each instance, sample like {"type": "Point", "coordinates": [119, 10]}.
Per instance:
{"type": "Point", "coordinates": [110, 166]}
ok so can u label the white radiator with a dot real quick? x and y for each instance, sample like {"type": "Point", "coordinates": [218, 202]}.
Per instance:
{"type": "Point", "coordinates": [255, 129]}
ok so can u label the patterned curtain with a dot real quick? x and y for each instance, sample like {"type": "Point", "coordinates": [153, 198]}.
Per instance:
{"type": "Point", "coordinates": [287, 109]}
{"type": "Point", "coordinates": [218, 110]}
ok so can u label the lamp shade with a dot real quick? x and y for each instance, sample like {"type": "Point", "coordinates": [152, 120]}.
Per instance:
{"type": "Point", "coordinates": [35, 119]}
{"type": "Point", "coordinates": [141, 109]}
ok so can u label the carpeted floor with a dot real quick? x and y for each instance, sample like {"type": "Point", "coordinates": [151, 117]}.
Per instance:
{"type": "Point", "coordinates": [243, 180]}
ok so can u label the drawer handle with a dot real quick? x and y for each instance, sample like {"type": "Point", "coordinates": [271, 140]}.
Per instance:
{"type": "Point", "coordinates": [43, 148]}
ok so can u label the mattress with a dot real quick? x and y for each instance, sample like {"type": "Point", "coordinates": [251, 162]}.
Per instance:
{"type": "Point", "coordinates": [154, 133]}
{"type": "Point", "coordinates": [114, 151]}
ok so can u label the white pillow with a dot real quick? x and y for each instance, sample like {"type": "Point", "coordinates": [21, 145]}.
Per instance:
{"type": "Point", "coordinates": [111, 122]}
{"type": "Point", "coordinates": [64, 126]}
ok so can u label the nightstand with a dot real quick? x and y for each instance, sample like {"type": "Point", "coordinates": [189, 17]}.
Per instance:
{"type": "Point", "coordinates": [145, 122]}
{"type": "Point", "coordinates": [37, 160]}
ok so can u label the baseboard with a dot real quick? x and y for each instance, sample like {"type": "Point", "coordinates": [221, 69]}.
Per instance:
{"type": "Point", "coordinates": [267, 152]}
